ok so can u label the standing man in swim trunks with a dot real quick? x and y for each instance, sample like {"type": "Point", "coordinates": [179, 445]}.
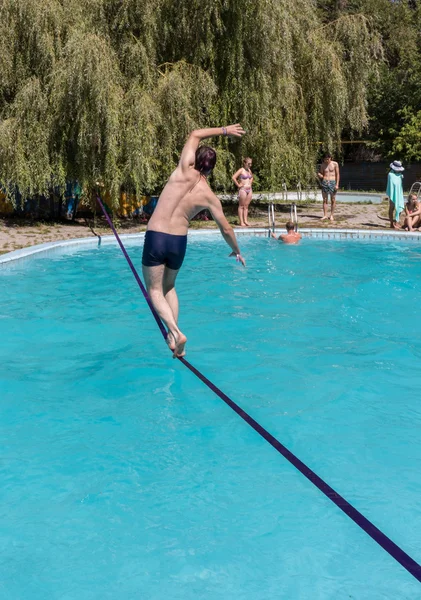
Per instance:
{"type": "Point", "coordinates": [329, 176]}
{"type": "Point", "coordinates": [186, 193]}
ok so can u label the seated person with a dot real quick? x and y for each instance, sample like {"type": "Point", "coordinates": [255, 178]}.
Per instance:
{"type": "Point", "coordinates": [412, 213]}
{"type": "Point", "coordinates": [291, 236]}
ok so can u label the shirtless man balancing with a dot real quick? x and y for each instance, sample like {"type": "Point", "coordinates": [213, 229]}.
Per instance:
{"type": "Point", "coordinates": [186, 193]}
{"type": "Point", "coordinates": [329, 176]}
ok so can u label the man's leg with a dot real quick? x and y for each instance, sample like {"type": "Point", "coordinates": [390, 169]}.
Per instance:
{"type": "Point", "coordinates": [324, 196]}
{"type": "Point", "coordinates": [332, 205]}
{"type": "Point", "coordinates": [154, 279]}
{"type": "Point", "coordinates": [168, 287]}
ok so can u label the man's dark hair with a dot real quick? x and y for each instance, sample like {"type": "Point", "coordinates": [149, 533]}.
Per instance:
{"type": "Point", "coordinates": [205, 159]}
{"type": "Point", "coordinates": [327, 155]}
{"type": "Point", "coordinates": [290, 226]}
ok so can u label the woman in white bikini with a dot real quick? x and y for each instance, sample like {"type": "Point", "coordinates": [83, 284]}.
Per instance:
{"type": "Point", "coordinates": [243, 179]}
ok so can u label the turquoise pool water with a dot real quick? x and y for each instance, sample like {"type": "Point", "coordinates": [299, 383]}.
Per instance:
{"type": "Point", "coordinates": [124, 477]}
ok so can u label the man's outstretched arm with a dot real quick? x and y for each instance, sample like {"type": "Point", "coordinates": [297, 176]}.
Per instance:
{"type": "Point", "coordinates": [225, 228]}
{"type": "Point", "coordinates": [188, 154]}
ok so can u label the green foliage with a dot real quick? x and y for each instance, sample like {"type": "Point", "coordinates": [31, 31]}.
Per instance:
{"type": "Point", "coordinates": [86, 95]}
{"type": "Point", "coordinates": [407, 143]}
{"type": "Point", "coordinates": [398, 82]}
{"type": "Point", "coordinates": [24, 153]}
{"type": "Point", "coordinates": [107, 90]}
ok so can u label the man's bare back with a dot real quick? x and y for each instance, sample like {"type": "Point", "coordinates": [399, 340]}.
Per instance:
{"type": "Point", "coordinates": [291, 237]}
{"type": "Point", "coordinates": [184, 195]}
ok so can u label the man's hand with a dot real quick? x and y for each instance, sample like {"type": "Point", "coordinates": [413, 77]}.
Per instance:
{"type": "Point", "coordinates": [239, 258]}
{"type": "Point", "coordinates": [235, 130]}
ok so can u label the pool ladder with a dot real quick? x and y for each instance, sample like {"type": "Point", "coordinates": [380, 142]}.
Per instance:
{"type": "Point", "coordinates": [271, 209]}
{"type": "Point", "coordinates": [415, 189]}
{"type": "Point", "coordinates": [271, 218]}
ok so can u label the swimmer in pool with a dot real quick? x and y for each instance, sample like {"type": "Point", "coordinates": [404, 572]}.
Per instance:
{"type": "Point", "coordinates": [186, 193]}
{"type": "Point", "coordinates": [291, 236]}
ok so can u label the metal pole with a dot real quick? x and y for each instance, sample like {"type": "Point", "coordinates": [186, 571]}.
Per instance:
{"type": "Point", "coordinates": [293, 215]}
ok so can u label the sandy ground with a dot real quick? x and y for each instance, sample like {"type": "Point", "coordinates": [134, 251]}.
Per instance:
{"type": "Point", "coordinates": [17, 233]}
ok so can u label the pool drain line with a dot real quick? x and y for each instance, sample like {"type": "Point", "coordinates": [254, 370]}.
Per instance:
{"type": "Point", "coordinates": [378, 536]}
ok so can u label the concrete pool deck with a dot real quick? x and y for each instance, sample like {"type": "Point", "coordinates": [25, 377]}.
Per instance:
{"type": "Point", "coordinates": [17, 233]}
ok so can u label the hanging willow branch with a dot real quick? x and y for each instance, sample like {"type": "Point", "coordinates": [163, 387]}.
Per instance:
{"type": "Point", "coordinates": [109, 89]}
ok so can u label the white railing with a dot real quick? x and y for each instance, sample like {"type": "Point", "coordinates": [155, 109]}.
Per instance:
{"type": "Point", "coordinates": [284, 191]}
{"type": "Point", "coordinates": [271, 217]}
{"type": "Point", "coordinates": [293, 215]}
{"type": "Point", "coordinates": [299, 192]}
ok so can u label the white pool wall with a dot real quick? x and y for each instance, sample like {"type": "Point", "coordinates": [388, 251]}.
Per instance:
{"type": "Point", "coordinates": [68, 246]}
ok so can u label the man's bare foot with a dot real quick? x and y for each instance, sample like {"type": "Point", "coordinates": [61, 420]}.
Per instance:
{"type": "Point", "coordinates": [248, 225]}
{"type": "Point", "coordinates": [324, 218]}
{"type": "Point", "coordinates": [331, 218]}
{"type": "Point", "coordinates": [170, 341]}
{"type": "Point", "coordinates": [180, 342]}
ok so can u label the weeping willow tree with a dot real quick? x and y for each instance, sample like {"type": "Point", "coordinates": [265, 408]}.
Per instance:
{"type": "Point", "coordinates": [108, 90]}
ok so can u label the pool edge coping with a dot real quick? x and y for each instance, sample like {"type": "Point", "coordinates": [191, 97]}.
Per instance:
{"type": "Point", "coordinates": [30, 251]}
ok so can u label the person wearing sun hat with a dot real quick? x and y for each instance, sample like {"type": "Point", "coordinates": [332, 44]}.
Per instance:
{"type": "Point", "coordinates": [394, 192]}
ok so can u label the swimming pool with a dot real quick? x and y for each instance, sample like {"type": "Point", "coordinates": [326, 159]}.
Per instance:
{"type": "Point", "coordinates": [125, 477]}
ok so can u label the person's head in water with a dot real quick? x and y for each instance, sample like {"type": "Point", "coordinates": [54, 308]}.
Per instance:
{"type": "Point", "coordinates": [289, 226]}
{"type": "Point", "coordinates": [247, 162]}
{"type": "Point", "coordinates": [205, 160]}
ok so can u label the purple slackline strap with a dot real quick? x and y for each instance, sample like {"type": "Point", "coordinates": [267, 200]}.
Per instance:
{"type": "Point", "coordinates": [378, 536]}
{"type": "Point", "coordinates": [135, 273]}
